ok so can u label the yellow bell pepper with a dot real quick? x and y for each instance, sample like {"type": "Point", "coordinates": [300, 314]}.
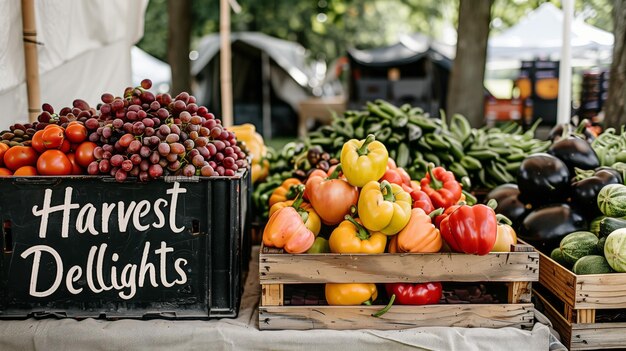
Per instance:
{"type": "Point", "coordinates": [312, 221]}
{"type": "Point", "coordinates": [351, 237]}
{"type": "Point", "coordinates": [286, 191]}
{"type": "Point", "coordinates": [256, 148]}
{"type": "Point", "coordinates": [384, 207]}
{"type": "Point", "coordinates": [260, 170]}
{"type": "Point", "coordinates": [350, 294]}
{"type": "Point", "coordinates": [363, 160]}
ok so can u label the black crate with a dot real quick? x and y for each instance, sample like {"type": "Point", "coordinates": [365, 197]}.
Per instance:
{"type": "Point", "coordinates": [206, 240]}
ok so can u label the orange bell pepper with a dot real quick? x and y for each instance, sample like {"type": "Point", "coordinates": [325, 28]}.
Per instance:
{"type": "Point", "coordinates": [419, 235]}
{"type": "Point", "coordinates": [286, 229]}
{"type": "Point", "coordinates": [285, 191]}
{"type": "Point", "coordinates": [351, 237]}
{"type": "Point", "coordinates": [313, 221]}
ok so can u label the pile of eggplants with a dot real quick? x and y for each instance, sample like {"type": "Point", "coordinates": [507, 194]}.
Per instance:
{"type": "Point", "coordinates": [555, 192]}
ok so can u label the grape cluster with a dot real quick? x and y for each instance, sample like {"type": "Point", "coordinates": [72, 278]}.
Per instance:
{"type": "Point", "coordinates": [147, 136]}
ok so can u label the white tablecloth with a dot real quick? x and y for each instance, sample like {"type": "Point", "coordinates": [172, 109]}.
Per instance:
{"type": "Point", "coordinates": [242, 333]}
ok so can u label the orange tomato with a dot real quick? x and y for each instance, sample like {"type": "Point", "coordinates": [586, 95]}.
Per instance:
{"type": "Point", "coordinates": [26, 171]}
{"type": "Point", "coordinates": [76, 133]}
{"type": "Point", "coordinates": [19, 156]}
{"type": "Point", "coordinates": [5, 172]}
{"type": "Point", "coordinates": [3, 148]}
{"type": "Point", "coordinates": [84, 153]}
{"type": "Point", "coordinates": [54, 162]}
{"type": "Point", "coordinates": [53, 137]}
{"type": "Point", "coordinates": [76, 169]}
{"type": "Point", "coordinates": [49, 126]}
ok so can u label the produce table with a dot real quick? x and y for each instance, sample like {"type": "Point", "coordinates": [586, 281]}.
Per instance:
{"type": "Point", "coordinates": [243, 334]}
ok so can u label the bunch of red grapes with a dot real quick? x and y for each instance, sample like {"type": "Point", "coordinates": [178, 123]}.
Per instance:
{"type": "Point", "coordinates": [146, 136]}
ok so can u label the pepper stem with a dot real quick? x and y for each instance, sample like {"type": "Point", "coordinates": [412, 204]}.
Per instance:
{"type": "Point", "coordinates": [434, 182]}
{"type": "Point", "coordinates": [436, 212]}
{"type": "Point", "coordinates": [387, 308]}
{"type": "Point", "coordinates": [581, 126]}
{"type": "Point", "coordinates": [361, 232]}
{"type": "Point", "coordinates": [363, 149]}
{"type": "Point", "coordinates": [299, 189]}
{"type": "Point", "coordinates": [492, 203]}
{"type": "Point", "coordinates": [385, 188]}
{"type": "Point", "coordinates": [335, 173]}
{"type": "Point", "coordinates": [469, 198]}
{"type": "Point", "coordinates": [502, 219]}
{"type": "Point", "coordinates": [367, 302]}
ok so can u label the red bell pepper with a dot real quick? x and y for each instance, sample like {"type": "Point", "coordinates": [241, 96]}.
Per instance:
{"type": "Point", "coordinates": [470, 229]}
{"type": "Point", "coordinates": [440, 185]}
{"type": "Point", "coordinates": [396, 175]}
{"type": "Point", "coordinates": [422, 200]}
{"type": "Point", "coordinates": [411, 294]}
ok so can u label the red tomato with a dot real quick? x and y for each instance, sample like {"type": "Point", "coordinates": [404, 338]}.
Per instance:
{"type": "Point", "coordinates": [54, 162]}
{"type": "Point", "coordinates": [76, 169]}
{"type": "Point", "coordinates": [76, 133]}
{"type": "Point", "coordinates": [19, 156]}
{"type": "Point", "coordinates": [84, 153]}
{"type": "Point", "coordinates": [3, 148]}
{"type": "Point", "coordinates": [37, 142]}
{"type": "Point", "coordinates": [65, 147]}
{"type": "Point", "coordinates": [53, 137]}
{"type": "Point", "coordinates": [5, 172]}
{"type": "Point", "coordinates": [26, 171]}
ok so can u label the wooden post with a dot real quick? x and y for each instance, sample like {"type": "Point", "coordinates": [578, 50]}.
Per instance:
{"type": "Point", "coordinates": [31, 61]}
{"type": "Point", "coordinates": [272, 294]}
{"type": "Point", "coordinates": [225, 64]}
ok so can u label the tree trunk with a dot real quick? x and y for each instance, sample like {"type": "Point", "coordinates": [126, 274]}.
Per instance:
{"type": "Point", "coordinates": [178, 41]}
{"type": "Point", "coordinates": [465, 94]}
{"type": "Point", "coordinates": [615, 112]}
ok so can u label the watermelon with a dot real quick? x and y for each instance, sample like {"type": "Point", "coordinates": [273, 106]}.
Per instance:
{"type": "Point", "coordinates": [578, 244]}
{"type": "Point", "coordinates": [601, 243]}
{"type": "Point", "coordinates": [612, 200]}
{"type": "Point", "coordinates": [615, 250]}
{"type": "Point", "coordinates": [592, 264]}
{"type": "Point", "coordinates": [557, 255]}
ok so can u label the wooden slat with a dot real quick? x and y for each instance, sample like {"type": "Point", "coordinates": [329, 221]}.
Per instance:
{"type": "Point", "coordinates": [272, 295]}
{"type": "Point", "coordinates": [601, 291]}
{"type": "Point", "coordinates": [557, 279]}
{"type": "Point", "coordinates": [598, 336]}
{"type": "Point", "coordinates": [389, 268]}
{"type": "Point", "coordinates": [560, 324]}
{"type": "Point", "coordinates": [398, 317]}
{"type": "Point", "coordinates": [519, 292]}
{"type": "Point", "coordinates": [586, 316]}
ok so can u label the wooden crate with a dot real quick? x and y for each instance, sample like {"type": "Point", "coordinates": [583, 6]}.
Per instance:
{"type": "Point", "coordinates": [572, 301]}
{"type": "Point", "coordinates": [515, 269]}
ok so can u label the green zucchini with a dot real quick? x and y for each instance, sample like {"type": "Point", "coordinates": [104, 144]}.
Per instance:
{"type": "Point", "coordinates": [612, 200]}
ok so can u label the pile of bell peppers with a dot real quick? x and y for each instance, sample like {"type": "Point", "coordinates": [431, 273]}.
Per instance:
{"type": "Point", "coordinates": [368, 205]}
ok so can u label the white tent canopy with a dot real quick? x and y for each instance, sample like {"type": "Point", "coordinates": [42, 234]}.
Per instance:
{"type": "Point", "coordinates": [145, 66]}
{"type": "Point", "coordinates": [540, 35]}
{"type": "Point", "coordinates": [84, 51]}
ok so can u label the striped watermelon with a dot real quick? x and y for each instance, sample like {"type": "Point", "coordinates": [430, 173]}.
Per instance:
{"type": "Point", "coordinates": [612, 200]}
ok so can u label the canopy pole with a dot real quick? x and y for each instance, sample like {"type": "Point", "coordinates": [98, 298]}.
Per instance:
{"type": "Point", "coordinates": [565, 67]}
{"type": "Point", "coordinates": [225, 64]}
{"type": "Point", "coordinates": [266, 107]}
{"type": "Point", "coordinates": [31, 61]}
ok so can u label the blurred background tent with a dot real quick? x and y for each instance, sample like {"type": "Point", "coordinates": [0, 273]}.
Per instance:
{"type": "Point", "coordinates": [540, 35]}
{"type": "Point", "coordinates": [145, 65]}
{"type": "Point", "coordinates": [81, 51]}
{"type": "Point", "coordinates": [266, 71]}
{"type": "Point", "coordinates": [414, 71]}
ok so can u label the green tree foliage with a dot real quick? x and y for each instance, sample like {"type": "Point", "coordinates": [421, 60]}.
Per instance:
{"type": "Point", "coordinates": [328, 27]}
